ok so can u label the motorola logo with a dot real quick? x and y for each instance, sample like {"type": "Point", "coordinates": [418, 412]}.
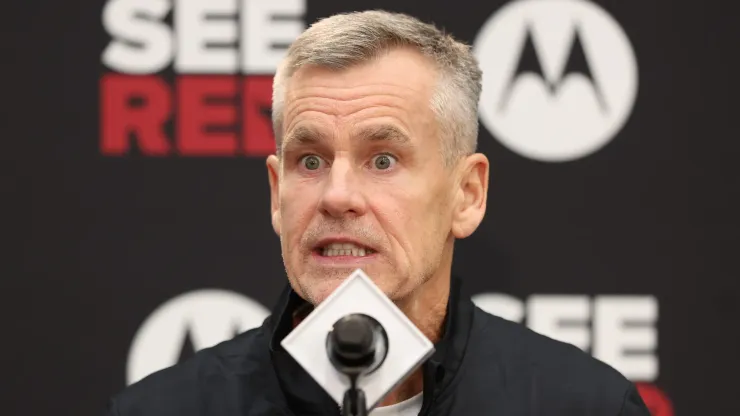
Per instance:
{"type": "Point", "coordinates": [559, 78]}
{"type": "Point", "coordinates": [186, 324]}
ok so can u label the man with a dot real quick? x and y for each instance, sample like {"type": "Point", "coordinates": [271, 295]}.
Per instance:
{"type": "Point", "coordinates": [375, 119]}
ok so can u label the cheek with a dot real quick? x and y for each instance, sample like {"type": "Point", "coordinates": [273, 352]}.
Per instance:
{"type": "Point", "coordinates": [403, 216]}
{"type": "Point", "coordinates": [428, 224]}
{"type": "Point", "coordinates": [296, 212]}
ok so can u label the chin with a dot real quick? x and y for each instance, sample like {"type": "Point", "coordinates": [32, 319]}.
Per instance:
{"type": "Point", "coordinates": [319, 291]}
{"type": "Point", "coordinates": [315, 289]}
{"type": "Point", "coordinates": [315, 284]}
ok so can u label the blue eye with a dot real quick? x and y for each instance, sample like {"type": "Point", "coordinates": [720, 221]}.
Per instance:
{"type": "Point", "coordinates": [311, 162]}
{"type": "Point", "coordinates": [383, 161]}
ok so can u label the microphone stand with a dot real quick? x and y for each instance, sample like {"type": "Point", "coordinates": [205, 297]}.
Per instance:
{"type": "Point", "coordinates": [354, 403]}
{"type": "Point", "coordinates": [357, 345]}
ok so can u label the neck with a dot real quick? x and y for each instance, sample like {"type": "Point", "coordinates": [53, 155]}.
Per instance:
{"type": "Point", "coordinates": [427, 306]}
{"type": "Point", "coordinates": [427, 309]}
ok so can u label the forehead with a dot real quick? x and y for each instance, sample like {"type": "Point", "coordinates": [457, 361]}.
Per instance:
{"type": "Point", "coordinates": [397, 87]}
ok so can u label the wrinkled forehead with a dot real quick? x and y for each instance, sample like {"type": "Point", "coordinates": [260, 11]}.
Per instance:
{"type": "Point", "coordinates": [406, 59]}
{"type": "Point", "coordinates": [401, 66]}
{"type": "Point", "coordinates": [398, 86]}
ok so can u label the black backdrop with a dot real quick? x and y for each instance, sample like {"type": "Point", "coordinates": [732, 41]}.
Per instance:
{"type": "Point", "coordinates": [106, 237]}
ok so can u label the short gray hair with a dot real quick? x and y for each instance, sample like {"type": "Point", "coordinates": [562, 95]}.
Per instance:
{"type": "Point", "coordinates": [343, 40]}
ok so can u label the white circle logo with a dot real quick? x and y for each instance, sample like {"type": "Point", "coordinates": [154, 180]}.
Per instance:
{"type": "Point", "coordinates": [559, 78]}
{"type": "Point", "coordinates": [201, 319]}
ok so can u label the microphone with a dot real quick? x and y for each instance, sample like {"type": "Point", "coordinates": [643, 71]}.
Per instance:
{"type": "Point", "coordinates": [356, 345]}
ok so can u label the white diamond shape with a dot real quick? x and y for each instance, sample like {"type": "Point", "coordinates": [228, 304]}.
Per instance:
{"type": "Point", "coordinates": [407, 346]}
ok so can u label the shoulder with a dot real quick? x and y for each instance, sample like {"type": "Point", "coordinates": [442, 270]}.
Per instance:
{"type": "Point", "coordinates": [519, 346]}
{"type": "Point", "coordinates": [210, 375]}
{"type": "Point", "coordinates": [559, 374]}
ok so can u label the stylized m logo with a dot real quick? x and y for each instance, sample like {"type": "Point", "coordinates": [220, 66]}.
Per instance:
{"type": "Point", "coordinates": [559, 78]}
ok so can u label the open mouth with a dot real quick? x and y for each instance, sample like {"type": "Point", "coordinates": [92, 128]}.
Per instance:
{"type": "Point", "coordinates": [344, 249]}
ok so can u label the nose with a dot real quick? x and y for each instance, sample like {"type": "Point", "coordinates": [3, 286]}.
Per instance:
{"type": "Point", "coordinates": [342, 194]}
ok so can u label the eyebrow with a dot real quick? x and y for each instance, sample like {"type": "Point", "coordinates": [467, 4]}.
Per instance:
{"type": "Point", "coordinates": [302, 136]}
{"type": "Point", "coordinates": [384, 132]}
{"type": "Point", "coordinates": [306, 136]}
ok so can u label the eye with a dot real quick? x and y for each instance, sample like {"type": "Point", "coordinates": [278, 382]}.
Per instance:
{"type": "Point", "coordinates": [311, 162]}
{"type": "Point", "coordinates": [383, 161]}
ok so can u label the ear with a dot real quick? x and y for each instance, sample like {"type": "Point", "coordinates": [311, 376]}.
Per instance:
{"type": "Point", "coordinates": [273, 174]}
{"type": "Point", "coordinates": [471, 195]}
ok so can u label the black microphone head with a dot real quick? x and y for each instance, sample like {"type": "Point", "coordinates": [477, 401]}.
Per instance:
{"type": "Point", "coordinates": [357, 344]}
{"type": "Point", "coordinates": [353, 334]}
{"type": "Point", "coordinates": [353, 341]}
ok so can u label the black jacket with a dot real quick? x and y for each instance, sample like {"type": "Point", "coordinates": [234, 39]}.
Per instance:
{"type": "Point", "coordinates": [484, 365]}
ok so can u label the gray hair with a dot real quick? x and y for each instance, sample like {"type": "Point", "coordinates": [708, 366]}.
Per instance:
{"type": "Point", "coordinates": [343, 40]}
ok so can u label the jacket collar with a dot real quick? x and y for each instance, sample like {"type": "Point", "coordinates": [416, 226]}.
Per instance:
{"type": "Point", "coordinates": [302, 392]}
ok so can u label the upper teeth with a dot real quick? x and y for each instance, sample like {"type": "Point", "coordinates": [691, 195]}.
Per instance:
{"type": "Point", "coordinates": [345, 249]}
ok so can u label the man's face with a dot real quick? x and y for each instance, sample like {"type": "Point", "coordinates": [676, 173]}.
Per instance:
{"type": "Point", "coordinates": [361, 181]}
